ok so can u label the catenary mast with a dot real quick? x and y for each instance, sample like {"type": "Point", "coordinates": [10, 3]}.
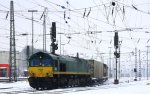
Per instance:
{"type": "Point", "coordinates": [12, 54]}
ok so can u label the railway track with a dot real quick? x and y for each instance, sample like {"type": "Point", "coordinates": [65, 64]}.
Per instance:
{"type": "Point", "coordinates": [6, 79]}
{"type": "Point", "coordinates": [24, 88]}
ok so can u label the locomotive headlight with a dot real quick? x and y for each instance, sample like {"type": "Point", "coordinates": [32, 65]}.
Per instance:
{"type": "Point", "coordinates": [32, 74]}
{"type": "Point", "coordinates": [41, 57]}
{"type": "Point", "coordinates": [49, 74]}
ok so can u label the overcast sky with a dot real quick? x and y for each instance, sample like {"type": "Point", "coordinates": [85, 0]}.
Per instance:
{"type": "Point", "coordinates": [88, 26]}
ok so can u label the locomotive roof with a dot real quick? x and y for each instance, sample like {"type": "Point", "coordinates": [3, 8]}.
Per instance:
{"type": "Point", "coordinates": [39, 53]}
{"type": "Point", "coordinates": [60, 57]}
{"type": "Point", "coordinates": [67, 58]}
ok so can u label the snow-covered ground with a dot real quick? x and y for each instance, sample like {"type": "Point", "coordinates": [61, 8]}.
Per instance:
{"type": "Point", "coordinates": [126, 86]}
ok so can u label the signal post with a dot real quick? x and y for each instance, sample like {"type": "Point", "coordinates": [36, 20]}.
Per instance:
{"type": "Point", "coordinates": [54, 45]}
{"type": "Point", "coordinates": [117, 55]}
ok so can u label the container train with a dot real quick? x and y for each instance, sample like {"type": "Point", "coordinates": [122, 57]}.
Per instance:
{"type": "Point", "coordinates": [49, 71]}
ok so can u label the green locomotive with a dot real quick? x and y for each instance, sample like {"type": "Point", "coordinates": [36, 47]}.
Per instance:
{"type": "Point", "coordinates": [48, 71]}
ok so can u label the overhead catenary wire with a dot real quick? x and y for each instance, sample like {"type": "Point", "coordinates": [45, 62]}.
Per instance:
{"type": "Point", "coordinates": [72, 27]}
{"type": "Point", "coordinates": [25, 17]}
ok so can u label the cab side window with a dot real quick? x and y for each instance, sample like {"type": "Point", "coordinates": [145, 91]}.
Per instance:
{"type": "Point", "coordinates": [62, 67]}
{"type": "Point", "coordinates": [55, 65]}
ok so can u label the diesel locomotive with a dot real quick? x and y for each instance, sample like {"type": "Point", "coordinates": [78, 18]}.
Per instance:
{"type": "Point", "coordinates": [49, 71]}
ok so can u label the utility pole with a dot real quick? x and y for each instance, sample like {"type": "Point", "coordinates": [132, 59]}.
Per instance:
{"type": "Point", "coordinates": [135, 69]}
{"type": "Point", "coordinates": [32, 11]}
{"type": "Point", "coordinates": [110, 74]}
{"type": "Point", "coordinates": [147, 62]}
{"type": "Point", "coordinates": [12, 54]}
{"type": "Point", "coordinates": [117, 55]}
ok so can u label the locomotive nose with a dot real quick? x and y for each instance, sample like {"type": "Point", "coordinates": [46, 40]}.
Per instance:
{"type": "Point", "coordinates": [40, 71]}
{"type": "Point", "coordinates": [45, 72]}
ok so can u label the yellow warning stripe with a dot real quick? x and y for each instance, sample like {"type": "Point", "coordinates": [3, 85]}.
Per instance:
{"type": "Point", "coordinates": [77, 73]}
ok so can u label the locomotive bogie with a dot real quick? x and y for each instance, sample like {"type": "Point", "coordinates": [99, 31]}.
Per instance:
{"type": "Point", "coordinates": [59, 81]}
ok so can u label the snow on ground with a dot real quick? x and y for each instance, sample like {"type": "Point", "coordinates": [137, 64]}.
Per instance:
{"type": "Point", "coordinates": [126, 86]}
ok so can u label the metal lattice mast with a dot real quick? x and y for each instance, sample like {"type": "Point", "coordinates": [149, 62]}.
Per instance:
{"type": "Point", "coordinates": [12, 54]}
{"type": "Point", "coordinates": [44, 34]}
{"type": "Point", "coordinates": [140, 65]}
{"type": "Point", "coordinates": [135, 69]}
{"type": "Point", "coordinates": [147, 62]}
{"type": "Point", "coordinates": [44, 29]}
{"type": "Point", "coordinates": [110, 74]}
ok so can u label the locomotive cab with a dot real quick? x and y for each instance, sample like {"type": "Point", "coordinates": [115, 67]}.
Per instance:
{"type": "Point", "coordinates": [40, 70]}
{"type": "Point", "coordinates": [40, 65]}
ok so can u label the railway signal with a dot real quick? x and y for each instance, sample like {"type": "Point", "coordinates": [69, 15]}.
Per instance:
{"type": "Point", "coordinates": [53, 38]}
{"type": "Point", "coordinates": [117, 54]}
{"type": "Point", "coordinates": [116, 40]}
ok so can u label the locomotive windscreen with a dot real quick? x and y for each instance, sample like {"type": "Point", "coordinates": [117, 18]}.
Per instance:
{"type": "Point", "coordinates": [43, 62]}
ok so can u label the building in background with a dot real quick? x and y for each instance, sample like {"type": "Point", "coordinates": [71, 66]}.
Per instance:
{"type": "Point", "coordinates": [4, 70]}
{"type": "Point", "coordinates": [4, 63]}
{"type": "Point", "coordinates": [21, 62]}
